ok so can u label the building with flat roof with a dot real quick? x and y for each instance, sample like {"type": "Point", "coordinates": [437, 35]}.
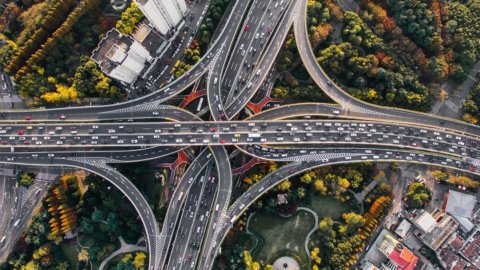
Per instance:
{"type": "Point", "coordinates": [149, 38]}
{"type": "Point", "coordinates": [433, 229]}
{"type": "Point", "coordinates": [121, 57]}
{"type": "Point", "coordinates": [164, 15]}
{"type": "Point", "coordinates": [403, 228]}
{"type": "Point", "coordinates": [387, 253]}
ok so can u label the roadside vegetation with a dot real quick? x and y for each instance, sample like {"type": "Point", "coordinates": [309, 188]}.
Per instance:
{"type": "Point", "coordinates": [343, 231]}
{"type": "Point", "coordinates": [48, 44]}
{"type": "Point", "coordinates": [78, 225]}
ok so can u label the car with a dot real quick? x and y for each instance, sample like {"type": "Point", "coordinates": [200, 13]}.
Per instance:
{"type": "Point", "coordinates": [59, 142]}
{"type": "Point", "coordinates": [247, 27]}
{"type": "Point", "coordinates": [62, 116]}
{"type": "Point", "coordinates": [222, 140]}
{"type": "Point", "coordinates": [20, 132]}
{"type": "Point", "coordinates": [28, 117]}
{"type": "Point", "coordinates": [155, 113]}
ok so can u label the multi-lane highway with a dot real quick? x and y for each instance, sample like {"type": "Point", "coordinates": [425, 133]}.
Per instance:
{"type": "Point", "coordinates": [237, 62]}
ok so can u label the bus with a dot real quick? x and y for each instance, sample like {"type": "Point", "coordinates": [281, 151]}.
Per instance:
{"type": "Point", "coordinates": [200, 103]}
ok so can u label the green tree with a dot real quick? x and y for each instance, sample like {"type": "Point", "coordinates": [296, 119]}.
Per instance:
{"type": "Point", "coordinates": [25, 179]}
{"type": "Point", "coordinates": [417, 195]}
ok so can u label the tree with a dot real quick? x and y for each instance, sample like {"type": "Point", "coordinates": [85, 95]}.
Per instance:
{"type": "Point", "coordinates": [83, 255]}
{"type": "Point", "coordinates": [417, 195]}
{"type": "Point", "coordinates": [354, 177]}
{"type": "Point", "coordinates": [63, 94]}
{"type": "Point", "coordinates": [439, 175]}
{"type": "Point", "coordinates": [284, 185]}
{"type": "Point", "coordinates": [129, 19]}
{"type": "Point", "coordinates": [353, 222]}
{"type": "Point", "coordinates": [314, 255]}
{"type": "Point", "coordinates": [301, 192]}
{"type": "Point", "coordinates": [320, 187]}
{"type": "Point", "coordinates": [25, 179]}
{"type": "Point", "coordinates": [280, 92]}
{"type": "Point", "coordinates": [139, 261]}
{"type": "Point", "coordinates": [31, 265]}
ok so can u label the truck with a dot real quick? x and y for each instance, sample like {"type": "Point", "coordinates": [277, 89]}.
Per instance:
{"type": "Point", "coordinates": [254, 135]}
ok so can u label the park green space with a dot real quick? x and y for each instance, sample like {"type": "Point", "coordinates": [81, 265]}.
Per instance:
{"type": "Point", "coordinates": [327, 206]}
{"type": "Point", "coordinates": [279, 235]}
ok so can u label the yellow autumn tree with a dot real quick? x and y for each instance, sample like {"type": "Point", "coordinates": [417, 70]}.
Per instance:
{"type": "Point", "coordinates": [139, 261]}
{"type": "Point", "coordinates": [284, 185]}
{"type": "Point", "coordinates": [314, 255]}
{"type": "Point", "coordinates": [83, 255]}
{"type": "Point", "coordinates": [320, 186]}
{"type": "Point", "coordinates": [61, 95]}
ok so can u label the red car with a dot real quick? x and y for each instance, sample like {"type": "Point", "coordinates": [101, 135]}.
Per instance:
{"type": "Point", "coordinates": [247, 27]}
{"type": "Point", "coordinates": [213, 129]}
{"type": "Point", "coordinates": [20, 132]}
{"type": "Point", "coordinates": [222, 140]}
{"type": "Point", "coordinates": [28, 117]}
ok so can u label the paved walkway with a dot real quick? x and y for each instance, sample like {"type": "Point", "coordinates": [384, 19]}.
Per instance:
{"type": "Point", "coordinates": [124, 248]}
{"type": "Point", "coordinates": [307, 239]}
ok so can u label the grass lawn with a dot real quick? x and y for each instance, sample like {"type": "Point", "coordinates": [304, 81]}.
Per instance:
{"type": "Point", "coordinates": [280, 234]}
{"type": "Point", "coordinates": [69, 250]}
{"type": "Point", "coordinates": [327, 206]}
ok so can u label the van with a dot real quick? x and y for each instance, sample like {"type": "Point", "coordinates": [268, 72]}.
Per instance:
{"type": "Point", "coordinates": [198, 229]}
{"type": "Point", "coordinates": [215, 80]}
{"type": "Point", "coordinates": [249, 85]}
{"type": "Point", "coordinates": [258, 72]}
{"type": "Point", "coordinates": [336, 112]}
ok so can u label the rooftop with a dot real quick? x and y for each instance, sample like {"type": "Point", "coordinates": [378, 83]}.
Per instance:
{"type": "Point", "coordinates": [425, 222]}
{"type": "Point", "coordinates": [111, 50]}
{"type": "Point", "coordinates": [471, 249]}
{"type": "Point", "coordinates": [460, 204]}
{"type": "Point", "coordinates": [403, 228]}
{"type": "Point", "coordinates": [435, 233]}
{"type": "Point", "coordinates": [148, 37]}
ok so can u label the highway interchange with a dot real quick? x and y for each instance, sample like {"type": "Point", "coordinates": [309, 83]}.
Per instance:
{"type": "Point", "coordinates": [201, 211]}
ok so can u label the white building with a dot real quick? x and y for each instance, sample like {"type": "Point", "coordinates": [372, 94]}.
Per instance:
{"type": "Point", "coordinates": [121, 57]}
{"type": "Point", "coordinates": [163, 14]}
